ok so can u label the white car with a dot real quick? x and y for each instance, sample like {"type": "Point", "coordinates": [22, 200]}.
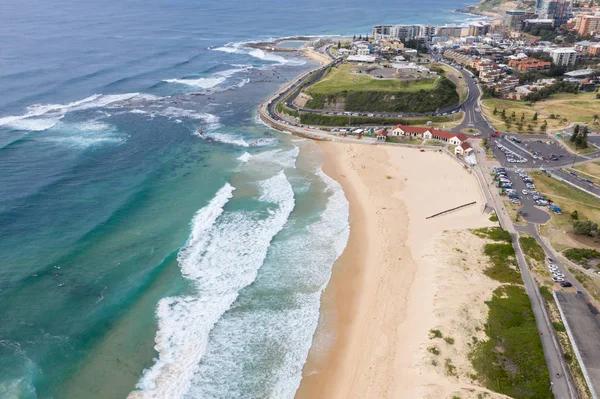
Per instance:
{"type": "Point", "coordinates": [558, 279]}
{"type": "Point", "coordinates": [524, 192]}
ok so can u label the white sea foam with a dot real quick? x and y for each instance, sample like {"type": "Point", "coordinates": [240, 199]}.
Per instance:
{"type": "Point", "coordinates": [245, 157]}
{"type": "Point", "coordinates": [236, 140]}
{"type": "Point", "coordinates": [259, 348]}
{"type": "Point", "coordinates": [229, 47]}
{"type": "Point", "coordinates": [285, 158]}
{"type": "Point", "coordinates": [201, 83]}
{"type": "Point", "coordinates": [223, 255]}
{"type": "Point", "coordinates": [82, 142]}
{"type": "Point", "coordinates": [211, 81]}
{"type": "Point", "coordinates": [271, 57]}
{"type": "Point", "coordinates": [260, 54]}
{"type": "Point", "coordinates": [32, 124]}
{"type": "Point", "coordinates": [212, 121]}
{"type": "Point", "coordinates": [44, 116]}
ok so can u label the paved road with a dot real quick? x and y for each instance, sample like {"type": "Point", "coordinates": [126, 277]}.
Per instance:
{"type": "Point", "coordinates": [583, 321]}
{"type": "Point", "coordinates": [579, 181]}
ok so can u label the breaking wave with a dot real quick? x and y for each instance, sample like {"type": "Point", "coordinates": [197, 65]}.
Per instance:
{"type": "Point", "coordinates": [223, 254]}
{"type": "Point", "coordinates": [45, 116]}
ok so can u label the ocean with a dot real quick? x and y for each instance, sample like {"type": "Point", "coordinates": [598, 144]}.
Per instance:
{"type": "Point", "coordinates": [138, 257]}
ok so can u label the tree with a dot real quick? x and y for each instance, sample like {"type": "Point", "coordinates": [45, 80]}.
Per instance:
{"type": "Point", "coordinates": [575, 215]}
{"type": "Point", "coordinates": [503, 114]}
{"type": "Point", "coordinates": [544, 126]}
{"type": "Point", "coordinates": [513, 115]}
{"type": "Point", "coordinates": [507, 122]}
{"type": "Point", "coordinates": [339, 44]}
{"type": "Point", "coordinates": [575, 134]}
{"type": "Point", "coordinates": [529, 128]}
{"type": "Point", "coordinates": [595, 118]}
{"type": "Point", "coordinates": [587, 228]}
{"type": "Point", "coordinates": [535, 116]}
{"type": "Point", "coordinates": [582, 139]}
{"type": "Point", "coordinates": [520, 125]}
{"type": "Point", "coordinates": [495, 110]}
{"type": "Point", "coordinates": [522, 116]}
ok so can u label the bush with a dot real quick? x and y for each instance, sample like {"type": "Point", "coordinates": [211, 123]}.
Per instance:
{"type": "Point", "coordinates": [449, 340]}
{"type": "Point", "coordinates": [434, 350]}
{"type": "Point", "coordinates": [502, 257]}
{"type": "Point", "coordinates": [587, 228]}
{"type": "Point", "coordinates": [581, 255]}
{"type": "Point", "coordinates": [435, 334]}
{"type": "Point", "coordinates": [558, 326]}
{"type": "Point", "coordinates": [494, 218]}
{"type": "Point", "coordinates": [493, 233]}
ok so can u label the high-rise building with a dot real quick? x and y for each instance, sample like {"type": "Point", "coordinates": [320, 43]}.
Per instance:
{"type": "Point", "coordinates": [396, 31]}
{"type": "Point", "coordinates": [514, 19]}
{"type": "Point", "coordinates": [557, 10]}
{"type": "Point", "coordinates": [449, 31]}
{"type": "Point", "coordinates": [564, 56]}
{"type": "Point", "coordinates": [587, 24]}
{"type": "Point", "coordinates": [478, 29]}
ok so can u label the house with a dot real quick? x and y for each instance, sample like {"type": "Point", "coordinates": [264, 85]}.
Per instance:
{"type": "Point", "coordinates": [428, 133]}
{"type": "Point", "coordinates": [382, 135]}
{"type": "Point", "coordinates": [464, 149]}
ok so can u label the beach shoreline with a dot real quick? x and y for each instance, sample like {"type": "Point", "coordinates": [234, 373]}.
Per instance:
{"type": "Point", "coordinates": [380, 302]}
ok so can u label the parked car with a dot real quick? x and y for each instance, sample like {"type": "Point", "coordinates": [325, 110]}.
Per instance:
{"type": "Point", "coordinates": [558, 279]}
{"type": "Point", "coordinates": [565, 284]}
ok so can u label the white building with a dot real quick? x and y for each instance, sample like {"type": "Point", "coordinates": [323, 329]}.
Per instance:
{"type": "Point", "coordinates": [564, 56]}
{"type": "Point", "coordinates": [361, 58]}
{"type": "Point", "coordinates": [363, 50]}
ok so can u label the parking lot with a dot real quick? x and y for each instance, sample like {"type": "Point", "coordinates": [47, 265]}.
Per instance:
{"type": "Point", "coordinates": [521, 191]}
{"type": "Point", "coordinates": [536, 153]}
{"type": "Point", "coordinates": [548, 151]}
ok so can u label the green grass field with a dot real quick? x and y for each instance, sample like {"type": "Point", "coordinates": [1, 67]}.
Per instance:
{"type": "Point", "coordinates": [565, 107]}
{"type": "Point", "coordinates": [343, 79]}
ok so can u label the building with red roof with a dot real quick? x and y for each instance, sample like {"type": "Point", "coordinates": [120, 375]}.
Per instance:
{"type": "Point", "coordinates": [428, 133]}
{"type": "Point", "coordinates": [463, 149]}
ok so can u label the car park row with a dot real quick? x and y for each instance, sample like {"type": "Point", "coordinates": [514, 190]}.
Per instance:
{"type": "Point", "coordinates": [511, 156]}
{"type": "Point", "coordinates": [506, 184]}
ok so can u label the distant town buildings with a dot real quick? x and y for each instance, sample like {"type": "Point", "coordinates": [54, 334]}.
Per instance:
{"type": "Point", "coordinates": [529, 64]}
{"type": "Point", "coordinates": [587, 24]}
{"type": "Point", "coordinates": [564, 56]}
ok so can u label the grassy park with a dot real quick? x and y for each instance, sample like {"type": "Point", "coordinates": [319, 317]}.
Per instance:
{"type": "Point", "coordinates": [343, 78]}
{"type": "Point", "coordinates": [558, 111]}
{"type": "Point", "coordinates": [348, 88]}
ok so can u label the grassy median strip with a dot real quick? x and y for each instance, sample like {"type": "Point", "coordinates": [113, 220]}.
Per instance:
{"type": "Point", "coordinates": [531, 248]}
{"type": "Point", "coordinates": [511, 361]}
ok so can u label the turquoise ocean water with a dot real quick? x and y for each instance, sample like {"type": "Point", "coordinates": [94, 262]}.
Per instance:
{"type": "Point", "coordinates": [137, 257]}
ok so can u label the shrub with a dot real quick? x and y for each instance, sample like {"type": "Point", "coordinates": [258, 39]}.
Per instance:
{"type": "Point", "coordinates": [512, 361]}
{"type": "Point", "coordinates": [449, 340]}
{"type": "Point", "coordinates": [433, 350]}
{"type": "Point", "coordinates": [435, 334]}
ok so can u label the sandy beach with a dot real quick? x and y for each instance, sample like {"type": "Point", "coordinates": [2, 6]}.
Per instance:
{"type": "Point", "coordinates": [400, 276]}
